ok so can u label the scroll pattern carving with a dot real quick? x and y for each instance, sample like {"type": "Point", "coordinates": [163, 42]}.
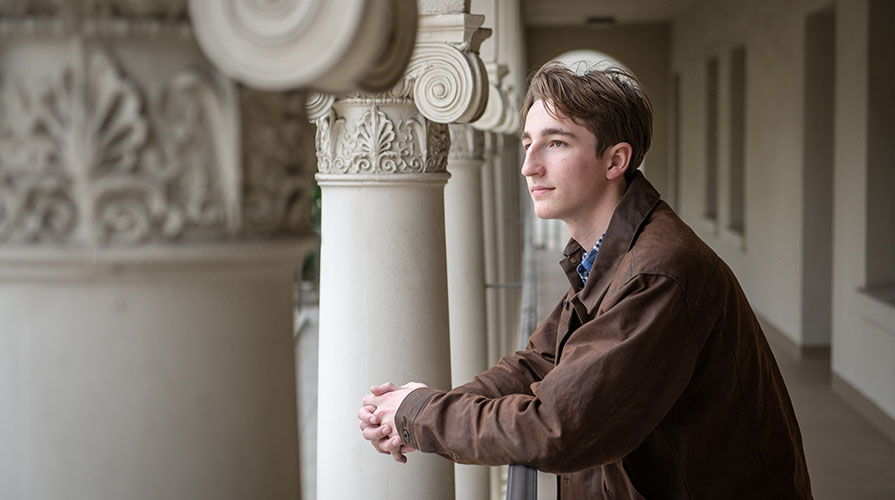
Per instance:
{"type": "Point", "coordinates": [87, 159]}
{"type": "Point", "coordinates": [378, 144]}
{"type": "Point", "coordinates": [449, 85]}
{"type": "Point", "coordinates": [404, 130]}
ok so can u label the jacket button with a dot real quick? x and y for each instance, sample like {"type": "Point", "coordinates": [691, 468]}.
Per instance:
{"type": "Point", "coordinates": [565, 304]}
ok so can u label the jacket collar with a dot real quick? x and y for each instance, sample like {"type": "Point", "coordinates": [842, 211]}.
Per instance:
{"type": "Point", "coordinates": [635, 206]}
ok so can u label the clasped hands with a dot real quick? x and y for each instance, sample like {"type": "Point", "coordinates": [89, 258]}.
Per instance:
{"type": "Point", "coordinates": [377, 418]}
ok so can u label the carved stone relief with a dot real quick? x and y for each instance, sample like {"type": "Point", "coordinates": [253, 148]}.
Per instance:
{"type": "Point", "coordinates": [404, 130]}
{"type": "Point", "coordinates": [366, 140]}
{"type": "Point", "coordinates": [89, 157]}
{"type": "Point", "coordinates": [278, 149]}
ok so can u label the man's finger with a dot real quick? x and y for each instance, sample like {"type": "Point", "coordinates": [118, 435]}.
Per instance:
{"type": "Point", "coordinates": [376, 432]}
{"type": "Point", "coordinates": [378, 448]}
{"type": "Point", "coordinates": [379, 390]}
{"type": "Point", "coordinates": [366, 416]}
{"type": "Point", "coordinates": [370, 400]}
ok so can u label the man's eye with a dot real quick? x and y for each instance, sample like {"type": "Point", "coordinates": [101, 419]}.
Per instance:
{"type": "Point", "coordinates": [525, 146]}
{"type": "Point", "coordinates": [556, 144]}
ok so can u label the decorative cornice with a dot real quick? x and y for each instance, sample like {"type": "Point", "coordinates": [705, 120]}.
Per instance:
{"type": "Point", "coordinates": [330, 45]}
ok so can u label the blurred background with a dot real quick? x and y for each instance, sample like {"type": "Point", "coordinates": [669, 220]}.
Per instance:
{"type": "Point", "coordinates": [222, 221]}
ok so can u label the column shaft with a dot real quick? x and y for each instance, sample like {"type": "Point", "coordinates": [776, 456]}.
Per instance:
{"type": "Point", "coordinates": [466, 280]}
{"type": "Point", "coordinates": [383, 316]}
{"type": "Point", "coordinates": [145, 380]}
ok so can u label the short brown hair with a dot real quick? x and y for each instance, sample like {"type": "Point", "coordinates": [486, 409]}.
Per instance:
{"type": "Point", "coordinates": [609, 102]}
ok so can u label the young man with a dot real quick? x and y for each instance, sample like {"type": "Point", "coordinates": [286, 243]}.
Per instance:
{"type": "Point", "coordinates": [651, 378]}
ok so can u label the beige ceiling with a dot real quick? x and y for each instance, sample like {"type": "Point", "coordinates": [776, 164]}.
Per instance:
{"type": "Point", "coordinates": [575, 12]}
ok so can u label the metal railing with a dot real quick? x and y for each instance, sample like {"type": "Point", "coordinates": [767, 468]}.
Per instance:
{"type": "Point", "coordinates": [522, 483]}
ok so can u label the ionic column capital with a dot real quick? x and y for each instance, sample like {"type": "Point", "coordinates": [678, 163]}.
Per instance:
{"type": "Point", "coordinates": [449, 81]}
{"type": "Point", "coordinates": [404, 131]}
{"type": "Point", "coordinates": [330, 45]}
{"type": "Point", "coordinates": [497, 108]}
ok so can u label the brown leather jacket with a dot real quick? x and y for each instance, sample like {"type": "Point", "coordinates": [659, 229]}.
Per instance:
{"type": "Point", "coordinates": [653, 381]}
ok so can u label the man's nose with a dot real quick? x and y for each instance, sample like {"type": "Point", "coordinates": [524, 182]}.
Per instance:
{"type": "Point", "coordinates": [532, 164]}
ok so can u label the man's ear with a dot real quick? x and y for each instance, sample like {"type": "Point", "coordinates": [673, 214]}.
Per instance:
{"type": "Point", "coordinates": [619, 158]}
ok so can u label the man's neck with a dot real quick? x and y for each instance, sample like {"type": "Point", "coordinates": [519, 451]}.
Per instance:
{"type": "Point", "coordinates": [588, 229]}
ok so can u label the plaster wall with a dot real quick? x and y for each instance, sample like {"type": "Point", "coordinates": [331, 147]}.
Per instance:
{"type": "Point", "coordinates": [766, 256]}
{"type": "Point", "coordinates": [863, 324]}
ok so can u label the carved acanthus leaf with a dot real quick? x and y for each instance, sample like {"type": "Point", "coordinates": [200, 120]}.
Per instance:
{"type": "Point", "coordinates": [379, 144]}
{"type": "Point", "coordinates": [87, 159]}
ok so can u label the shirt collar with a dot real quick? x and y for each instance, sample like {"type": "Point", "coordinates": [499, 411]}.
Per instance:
{"type": "Point", "coordinates": [635, 206]}
{"type": "Point", "coordinates": [587, 262]}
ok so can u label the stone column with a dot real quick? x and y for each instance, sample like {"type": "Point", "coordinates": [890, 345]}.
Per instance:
{"type": "Point", "coordinates": [466, 279]}
{"type": "Point", "coordinates": [383, 298]}
{"type": "Point", "coordinates": [152, 213]}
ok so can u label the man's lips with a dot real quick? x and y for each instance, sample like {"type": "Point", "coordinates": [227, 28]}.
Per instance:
{"type": "Point", "coordinates": [539, 190]}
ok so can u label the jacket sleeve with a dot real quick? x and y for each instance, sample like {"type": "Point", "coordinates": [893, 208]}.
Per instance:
{"type": "Point", "coordinates": [514, 374]}
{"type": "Point", "coordinates": [618, 376]}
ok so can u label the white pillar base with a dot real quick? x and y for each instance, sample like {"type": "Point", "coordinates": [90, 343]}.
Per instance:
{"type": "Point", "coordinates": [163, 373]}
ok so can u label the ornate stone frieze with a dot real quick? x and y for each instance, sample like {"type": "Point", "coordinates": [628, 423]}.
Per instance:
{"type": "Point", "coordinates": [379, 138]}
{"type": "Point", "coordinates": [89, 157]}
{"type": "Point", "coordinates": [467, 143]}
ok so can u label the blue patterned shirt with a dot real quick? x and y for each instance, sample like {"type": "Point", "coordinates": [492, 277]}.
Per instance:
{"type": "Point", "coordinates": [587, 262]}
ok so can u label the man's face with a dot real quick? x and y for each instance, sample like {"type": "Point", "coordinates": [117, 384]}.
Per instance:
{"type": "Point", "coordinates": [565, 177]}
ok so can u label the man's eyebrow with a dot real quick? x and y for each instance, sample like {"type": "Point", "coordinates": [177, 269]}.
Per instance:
{"type": "Point", "coordinates": [550, 131]}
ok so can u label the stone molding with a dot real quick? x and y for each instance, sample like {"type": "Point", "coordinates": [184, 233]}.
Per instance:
{"type": "Point", "coordinates": [93, 156]}
{"type": "Point", "coordinates": [333, 46]}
